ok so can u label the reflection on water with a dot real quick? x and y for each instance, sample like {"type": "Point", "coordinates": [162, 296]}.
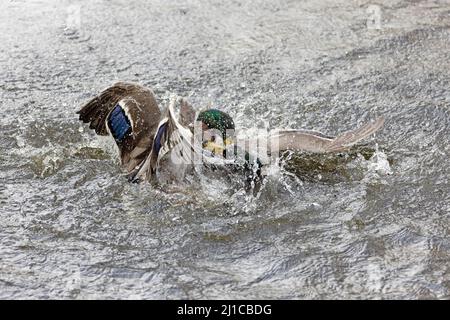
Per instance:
{"type": "Point", "coordinates": [372, 223]}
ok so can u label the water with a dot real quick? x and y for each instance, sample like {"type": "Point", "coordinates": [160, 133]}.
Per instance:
{"type": "Point", "coordinates": [370, 224]}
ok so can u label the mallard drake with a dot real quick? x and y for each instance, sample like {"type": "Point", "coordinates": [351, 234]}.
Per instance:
{"type": "Point", "coordinates": [129, 113]}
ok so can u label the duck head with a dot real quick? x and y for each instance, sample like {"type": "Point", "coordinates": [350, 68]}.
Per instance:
{"type": "Point", "coordinates": [217, 131]}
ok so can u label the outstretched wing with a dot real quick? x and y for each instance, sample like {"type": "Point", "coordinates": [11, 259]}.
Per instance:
{"type": "Point", "coordinates": [130, 114]}
{"type": "Point", "coordinates": [312, 141]}
{"type": "Point", "coordinates": [309, 140]}
{"type": "Point", "coordinates": [350, 138]}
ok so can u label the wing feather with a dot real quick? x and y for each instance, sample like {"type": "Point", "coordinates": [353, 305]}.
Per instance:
{"type": "Point", "coordinates": [312, 141]}
{"type": "Point", "coordinates": [350, 138]}
{"type": "Point", "coordinates": [130, 113]}
{"type": "Point", "coordinates": [172, 136]}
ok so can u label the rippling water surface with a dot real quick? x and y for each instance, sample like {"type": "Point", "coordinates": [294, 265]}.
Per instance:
{"type": "Point", "coordinates": [370, 224]}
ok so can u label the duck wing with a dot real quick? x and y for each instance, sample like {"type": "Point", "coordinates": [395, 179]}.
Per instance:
{"type": "Point", "coordinates": [187, 114]}
{"type": "Point", "coordinates": [130, 114]}
{"type": "Point", "coordinates": [350, 138]}
{"type": "Point", "coordinates": [313, 141]}
{"type": "Point", "coordinates": [308, 140]}
{"type": "Point", "coordinates": [177, 138]}
{"type": "Point", "coordinates": [170, 135]}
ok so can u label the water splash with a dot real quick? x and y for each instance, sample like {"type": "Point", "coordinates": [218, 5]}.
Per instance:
{"type": "Point", "coordinates": [377, 168]}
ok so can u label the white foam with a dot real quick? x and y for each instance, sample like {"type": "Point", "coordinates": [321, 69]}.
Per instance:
{"type": "Point", "coordinates": [379, 163]}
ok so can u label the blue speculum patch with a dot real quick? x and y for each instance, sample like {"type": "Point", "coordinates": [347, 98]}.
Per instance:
{"type": "Point", "coordinates": [157, 145]}
{"type": "Point", "coordinates": [118, 123]}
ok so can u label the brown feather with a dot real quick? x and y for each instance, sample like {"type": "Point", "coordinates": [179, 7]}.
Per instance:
{"type": "Point", "coordinates": [142, 110]}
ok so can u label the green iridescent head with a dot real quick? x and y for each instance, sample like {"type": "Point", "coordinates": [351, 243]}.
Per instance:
{"type": "Point", "coordinates": [216, 119]}
{"type": "Point", "coordinates": [216, 123]}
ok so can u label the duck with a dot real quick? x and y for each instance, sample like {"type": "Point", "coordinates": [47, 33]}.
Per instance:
{"type": "Point", "coordinates": [151, 140]}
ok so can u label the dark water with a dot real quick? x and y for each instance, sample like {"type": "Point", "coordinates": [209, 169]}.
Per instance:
{"type": "Point", "coordinates": [364, 225]}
